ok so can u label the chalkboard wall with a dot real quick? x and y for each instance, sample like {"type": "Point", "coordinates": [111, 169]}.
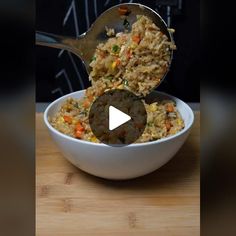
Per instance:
{"type": "Point", "coordinates": [60, 72]}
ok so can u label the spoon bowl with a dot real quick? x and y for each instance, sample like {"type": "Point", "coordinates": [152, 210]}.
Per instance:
{"type": "Point", "coordinates": [84, 46]}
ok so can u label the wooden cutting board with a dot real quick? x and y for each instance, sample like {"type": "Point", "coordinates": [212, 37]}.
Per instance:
{"type": "Point", "coordinates": [71, 202]}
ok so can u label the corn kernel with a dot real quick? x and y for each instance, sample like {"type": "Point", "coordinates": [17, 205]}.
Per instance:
{"type": "Point", "coordinates": [121, 86]}
{"type": "Point", "coordinates": [74, 121]}
{"type": "Point", "coordinates": [179, 122]}
{"type": "Point", "coordinates": [113, 65]}
{"type": "Point", "coordinates": [133, 45]}
{"type": "Point", "coordinates": [153, 107]}
{"type": "Point", "coordinates": [93, 139]}
{"type": "Point", "coordinates": [60, 120]}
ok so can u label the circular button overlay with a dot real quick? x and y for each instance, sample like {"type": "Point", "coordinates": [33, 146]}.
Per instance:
{"type": "Point", "coordinates": [117, 118]}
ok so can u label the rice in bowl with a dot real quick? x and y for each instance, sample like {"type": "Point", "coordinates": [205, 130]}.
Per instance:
{"type": "Point", "coordinates": [163, 120]}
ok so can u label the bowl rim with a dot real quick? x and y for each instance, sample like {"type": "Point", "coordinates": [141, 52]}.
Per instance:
{"type": "Point", "coordinates": [52, 129]}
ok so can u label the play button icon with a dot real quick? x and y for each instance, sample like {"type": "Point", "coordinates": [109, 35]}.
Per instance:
{"type": "Point", "coordinates": [117, 118]}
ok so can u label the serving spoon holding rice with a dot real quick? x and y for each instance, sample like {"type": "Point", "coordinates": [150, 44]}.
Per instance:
{"type": "Point", "coordinates": [84, 46]}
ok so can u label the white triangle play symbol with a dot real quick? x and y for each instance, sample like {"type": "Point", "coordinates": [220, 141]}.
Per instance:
{"type": "Point", "coordinates": [117, 118]}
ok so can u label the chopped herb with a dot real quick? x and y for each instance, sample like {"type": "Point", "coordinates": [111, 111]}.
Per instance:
{"type": "Point", "coordinates": [83, 113]}
{"type": "Point", "coordinates": [126, 83]}
{"type": "Point", "coordinates": [126, 24]}
{"type": "Point", "coordinates": [109, 77]}
{"type": "Point", "coordinates": [76, 105]}
{"type": "Point", "coordinates": [115, 48]}
{"type": "Point", "coordinates": [123, 10]}
{"type": "Point", "coordinates": [93, 58]}
{"type": "Point", "coordinates": [139, 17]}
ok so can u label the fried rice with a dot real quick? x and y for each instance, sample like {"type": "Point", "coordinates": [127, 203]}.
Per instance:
{"type": "Point", "coordinates": [135, 61]}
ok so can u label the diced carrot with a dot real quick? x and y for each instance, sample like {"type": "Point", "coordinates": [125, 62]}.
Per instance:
{"type": "Point", "coordinates": [90, 98]}
{"type": "Point", "coordinates": [129, 54]}
{"type": "Point", "coordinates": [78, 134]}
{"type": "Point", "coordinates": [68, 119]}
{"type": "Point", "coordinates": [115, 63]}
{"type": "Point", "coordinates": [169, 108]}
{"type": "Point", "coordinates": [123, 10]}
{"type": "Point", "coordinates": [136, 39]}
{"type": "Point", "coordinates": [102, 54]}
{"type": "Point", "coordinates": [168, 124]}
{"type": "Point", "coordinates": [79, 127]}
{"type": "Point", "coordinates": [86, 103]}
{"type": "Point", "coordinates": [118, 61]}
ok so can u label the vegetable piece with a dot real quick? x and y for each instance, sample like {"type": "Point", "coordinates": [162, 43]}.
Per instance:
{"type": "Point", "coordinates": [93, 59]}
{"type": "Point", "coordinates": [136, 38]}
{"type": "Point", "coordinates": [169, 108]}
{"type": "Point", "coordinates": [115, 63]}
{"type": "Point", "coordinates": [121, 86]}
{"type": "Point", "coordinates": [123, 10]}
{"type": "Point", "coordinates": [129, 53]}
{"type": "Point", "coordinates": [126, 83]}
{"type": "Point", "coordinates": [90, 98]}
{"type": "Point", "coordinates": [133, 45]}
{"type": "Point", "coordinates": [110, 31]}
{"type": "Point", "coordinates": [118, 61]}
{"type": "Point", "coordinates": [168, 124]}
{"type": "Point", "coordinates": [153, 107]}
{"type": "Point", "coordinates": [93, 139]}
{"type": "Point", "coordinates": [109, 77]}
{"type": "Point", "coordinates": [79, 127]}
{"type": "Point", "coordinates": [179, 122]}
{"type": "Point", "coordinates": [83, 113]}
{"type": "Point", "coordinates": [102, 54]}
{"type": "Point", "coordinates": [79, 134]}
{"type": "Point", "coordinates": [67, 119]}
{"type": "Point", "coordinates": [86, 103]}
{"type": "Point", "coordinates": [115, 48]}
{"type": "Point", "coordinates": [138, 17]}
{"type": "Point", "coordinates": [126, 24]}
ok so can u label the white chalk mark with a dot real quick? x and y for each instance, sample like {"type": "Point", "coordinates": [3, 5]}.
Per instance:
{"type": "Point", "coordinates": [76, 70]}
{"type": "Point", "coordinates": [63, 72]}
{"type": "Point", "coordinates": [86, 14]}
{"type": "Point", "coordinates": [72, 8]}
{"type": "Point", "coordinates": [106, 3]}
{"type": "Point", "coordinates": [75, 20]}
{"type": "Point", "coordinates": [67, 14]}
{"type": "Point", "coordinates": [95, 8]}
{"type": "Point", "coordinates": [57, 90]}
{"type": "Point", "coordinates": [60, 53]}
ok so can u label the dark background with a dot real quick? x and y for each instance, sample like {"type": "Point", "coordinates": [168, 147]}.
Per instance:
{"type": "Point", "coordinates": [59, 72]}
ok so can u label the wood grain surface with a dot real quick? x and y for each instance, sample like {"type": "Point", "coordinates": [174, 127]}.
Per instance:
{"type": "Point", "coordinates": [71, 202]}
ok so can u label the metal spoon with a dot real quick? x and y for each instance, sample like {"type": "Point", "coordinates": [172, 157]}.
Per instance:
{"type": "Point", "coordinates": [84, 46]}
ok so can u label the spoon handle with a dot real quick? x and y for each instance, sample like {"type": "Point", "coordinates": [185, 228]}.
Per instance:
{"type": "Point", "coordinates": [74, 45]}
{"type": "Point", "coordinates": [50, 40]}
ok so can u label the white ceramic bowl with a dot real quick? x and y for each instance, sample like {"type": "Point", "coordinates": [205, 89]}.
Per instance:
{"type": "Point", "coordinates": [119, 162]}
